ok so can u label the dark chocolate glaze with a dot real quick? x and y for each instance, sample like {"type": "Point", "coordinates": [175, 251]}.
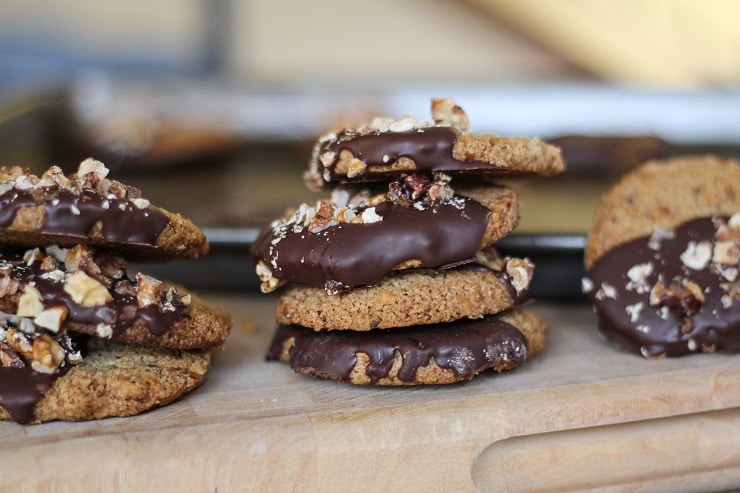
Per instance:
{"type": "Point", "coordinates": [120, 314]}
{"type": "Point", "coordinates": [676, 326]}
{"type": "Point", "coordinates": [430, 148]}
{"type": "Point", "coordinates": [465, 347]}
{"type": "Point", "coordinates": [75, 215]}
{"type": "Point", "coordinates": [354, 254]}
{"type": "Point", "coordinates": [21, 389]}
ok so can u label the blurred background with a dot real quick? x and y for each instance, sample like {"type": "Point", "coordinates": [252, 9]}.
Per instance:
{"type": "Point", "coordinates": [211, 106]}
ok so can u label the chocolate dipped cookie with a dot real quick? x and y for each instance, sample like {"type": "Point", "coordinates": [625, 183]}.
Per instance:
{"type": "Point", "coordinates": [387, 148]}
{"type": "Point", "coordinates": [87, 207]}
{"type": "Point", "coordinates": [663, 259]}
{"type": "Point", "coordinates": [355, 239]}
{"type": "Point", "coordinates": [422, 354]}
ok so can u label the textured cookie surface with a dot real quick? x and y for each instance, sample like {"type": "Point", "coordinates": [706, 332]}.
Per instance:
{"type": "Point", "coordinates": [385, 148]}
{"type": "Point", "coordinates": [411, 297]}
{"type": "Point", "coordinates": [663, 194]}
{"type": "Point", "coordinates": [87, 207]}
{"type": "Point", "coordinates": [82, 290]}
{"type": "Point", "coordinates": [355, 240]}
{"type": "Point", "coordinates": [112, 380]}
{"type": "Point", "coordinates": [429, 354]}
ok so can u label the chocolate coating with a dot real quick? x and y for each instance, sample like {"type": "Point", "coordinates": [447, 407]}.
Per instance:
{"type": "Point", "coordinates": [464, 347]}
{"type": "Point", "coordinates": [21, 389]}
{"type": "Point", "coordinates": [72, 214]}
{"type": "Point", "coordinates": [676, 322]}
{"type": "Point", "coordinates": [360, 254]}
{"type": "Point", "coordinates": [430, 149]}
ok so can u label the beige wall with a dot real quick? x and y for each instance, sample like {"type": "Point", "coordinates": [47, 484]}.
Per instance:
{"type": "Point", "coordinates": [382, 40]}
{"type": "Point", "coordinates": [289, 41]}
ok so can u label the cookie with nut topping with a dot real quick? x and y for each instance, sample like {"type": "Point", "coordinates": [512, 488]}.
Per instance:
{"type": "Point", "coordinates": [88, 207]}
{"type": "Point", "coordinates": [488, 286]}
{"type": "Point", "coordinates": [80, 290]}
{"type": "Point", "coordinates": [386, 148]}
{"type": "Point", "coordinates": [663, 259]}
{"type": "Point", "coordinates": [423, 354]}
{"type": "Point", "coordinates": [355, 239]}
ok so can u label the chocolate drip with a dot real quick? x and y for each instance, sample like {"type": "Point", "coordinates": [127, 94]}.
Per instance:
{"type": "Point", "coordinates": [21, 389]}
{"type": "Point", "coordinates": [70, 214]}
{"type": "Point", "coordinates": [677, 322]}
{"type": "Point", "coordinates": [350, 254]}
{"type": "Point", "coordinates": [464, 347]}
{"type": "Point", "coordinates": [429, 148]}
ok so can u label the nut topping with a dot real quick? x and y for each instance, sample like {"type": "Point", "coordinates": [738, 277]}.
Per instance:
{"type": "Point", "coordinates": [86, 291]}
{"type": "Point", "coordinates": [47, 354]}
{"type": "Point", "coordinates": [30, 303]}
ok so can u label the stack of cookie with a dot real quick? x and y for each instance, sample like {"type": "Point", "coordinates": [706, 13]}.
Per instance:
{"type": "Point", "coordinates": [663, 258]}
{"type": "Point", "coordinates": [394, 280]}
{"type": "Point", "coordinates": [82, 336]}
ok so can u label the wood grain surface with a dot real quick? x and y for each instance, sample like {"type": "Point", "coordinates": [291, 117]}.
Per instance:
{"type": "Point", "coordinates": [581, 415]}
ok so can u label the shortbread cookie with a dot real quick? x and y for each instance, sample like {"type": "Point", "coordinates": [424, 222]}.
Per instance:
{"type": "Point", "coordinates": [429, 354]}
{"type": "Point", "coordinates": [672, 293]}
{"type": "Point", "coordinates": [663, 194]}
{"type": "Point", "coordinates": [82, 290]}
{"type": "Point", "coordinates": [412, 297]}
{"type": "Point", "coordinates": [110, 380]}
{"type": "Point", "coordinates": [355, 240]}
{"type": "Point", "coordinates": [87, 207]}
{"type": "Point", "coordinates": [385, 148]}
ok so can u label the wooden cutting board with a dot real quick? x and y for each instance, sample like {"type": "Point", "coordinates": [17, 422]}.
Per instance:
{"type": "Point", "coordinates": [578, 416]}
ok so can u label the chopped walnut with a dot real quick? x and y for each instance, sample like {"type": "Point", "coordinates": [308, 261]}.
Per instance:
{"type": "Point", "coordinates": [31, 303]}
{"type": "Point", "coordinates": [520, 272]}
{"type": "Point", "coordinates": [51, 318]}
{"type": "Point", "coordinates": [47, 354]}
{"type": "Point", "coordinates": [323, 217]}
{"type": "Point", "coordinates": [148, 290]}
{"type": "Point", "coordinates": [685, 297]}
{"type": "Point", "coordinates": [19, 342]}
{"type": "Point", "coordinates": [87, 291]}
{"type": "Point", "coordinates": [446, 112]}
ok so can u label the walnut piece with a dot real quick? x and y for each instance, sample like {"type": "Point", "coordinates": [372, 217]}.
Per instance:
{"type": "Point", "coordinates": [52, 318]}
{"type": "Point", "coordinates": [47, 354]}
{"type": "Point", "coordinates": [446, 112]}
{"type": "Point", "coordinates": [30, 303]}
{"type": "Point", "coordinates": [86, 291]}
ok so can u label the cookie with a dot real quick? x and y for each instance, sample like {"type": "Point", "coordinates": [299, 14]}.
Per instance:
{"type": "Point", "coordinates": [428, 354]}
{"type": "Point", "coordinates": [412, 297]}
{"type": "Point", "coordinates": [111, 380]}
{"type": "Point", "coordinates": [87, 207]}
{"type": "Point", "coordinates": [385, 149]}
{"type": "Point", "coordinates": [81, 290]}
{"type": "Point", "coordinates": [355, 240]}
{"type": "Point", "coordinates": [663, 194]}
{"type": "Point", "coordinates": [663, 280]}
